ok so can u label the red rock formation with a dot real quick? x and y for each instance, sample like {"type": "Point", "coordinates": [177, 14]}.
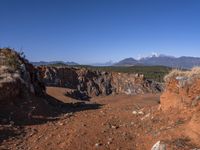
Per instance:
{"type": "Point", "coordinates": [182, 95]}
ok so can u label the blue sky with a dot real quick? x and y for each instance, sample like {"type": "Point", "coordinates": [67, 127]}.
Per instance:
{"type": "Point", "coordinates": [89, 31]}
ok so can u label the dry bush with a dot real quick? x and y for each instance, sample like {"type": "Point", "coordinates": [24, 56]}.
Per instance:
{"type": "Point", "coordinates": [11, 58]}
{"type": "Point", "coordinates": [195, 72]}
{"type": "Point", "coordinates": [173, 74]}
{"type": "Point", "coordinates": [190, 74]}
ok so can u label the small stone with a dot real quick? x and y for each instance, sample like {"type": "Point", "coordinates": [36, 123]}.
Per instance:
{"type": "Point", "coordinates": [109, 142]}
{"type": "Point", "coordinates": [61, 123]}
{"type": "Point", "coordinates": [146, 116]}
{"type": "Point", "coordinates": [97, 144]}
{"type": "Point", "coordinates": [114, 127]}
{"type": "Point", "coordinates": [138, 112]}
{"type": "Point", "coordinates": [134, 112]}
{"type": "Point", "coordinates": [159, 146]}
{"type": "Point", "coordinates": [68, 114]}
{"type": "Point", "coordinates": [141, 113]}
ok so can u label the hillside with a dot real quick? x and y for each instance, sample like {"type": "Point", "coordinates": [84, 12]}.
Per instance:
{"type": "Point", "coordinates": [127, 62]}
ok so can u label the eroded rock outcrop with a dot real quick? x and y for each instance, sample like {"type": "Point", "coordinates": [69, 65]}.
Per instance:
{"type": "Point", "coordinates": [134, 84]}
{"type": "Point", "coordinates": [18, 78]}
{"type": "Point", "coordinates": [182, 95]}
{"type": "Point", "coordinates": [182, 90]}
{"type": "Point", "coordinates": [94, 83]}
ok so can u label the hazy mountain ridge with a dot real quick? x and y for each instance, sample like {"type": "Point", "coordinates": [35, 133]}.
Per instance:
{"type": "Point", "coordinates": [45, 63]}
{"type": "Point", "coordinates": [184, 62]}
{"type": "Point", "coordinates": [127, 62]}
{"type": "Point", "coordinates": [163, 60]}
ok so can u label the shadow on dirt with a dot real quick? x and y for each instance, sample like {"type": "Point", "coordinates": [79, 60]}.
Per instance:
{"type": "Point", "coordinates": [79, 95]}
{"type": "Point", "coordinates": [36, 111]}
{"type": "Point", "coordinates": [40, 110]}
{"type": "Point", "coordinates": [71, 107]}
{"type": "Point", "coordinates": [10, 132]}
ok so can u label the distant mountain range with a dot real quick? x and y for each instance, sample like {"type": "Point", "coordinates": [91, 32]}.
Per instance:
{"type": "Point", "coordinates": [45, 63]}
{"type": "Point", "coordinates": [184, 62]}
{"type": "Point", "coordinates": [163, 60]}
{"type": "Point", "coordinates": [127, 62]}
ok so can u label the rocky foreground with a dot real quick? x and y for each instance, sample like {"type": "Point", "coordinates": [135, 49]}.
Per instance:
{"type": "Point", "coordinates": [86, 109]}
{"type": "Point", "coordinates": [112, 122]}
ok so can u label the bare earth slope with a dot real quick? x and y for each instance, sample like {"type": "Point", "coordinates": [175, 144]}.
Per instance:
{"type": "Point", "coordinates": [109, 126]}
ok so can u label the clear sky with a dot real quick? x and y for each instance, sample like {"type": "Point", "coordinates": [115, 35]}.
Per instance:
{"type": "Point", "coordinates": [88, 31]}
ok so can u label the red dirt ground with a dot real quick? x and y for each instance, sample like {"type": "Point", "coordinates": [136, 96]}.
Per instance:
{"type": "Point", "coordinates": [104, 123]}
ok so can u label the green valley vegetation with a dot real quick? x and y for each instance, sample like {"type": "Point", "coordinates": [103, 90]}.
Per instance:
{"type": "Point", "coordinates": [156, 73]}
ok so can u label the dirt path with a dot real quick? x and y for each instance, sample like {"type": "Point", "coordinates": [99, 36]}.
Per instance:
{"type": "Point", "coordinates": [109, 123]}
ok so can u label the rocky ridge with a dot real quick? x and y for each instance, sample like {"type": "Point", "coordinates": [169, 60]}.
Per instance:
{"type": "Point", "coordinates": [83, 81]}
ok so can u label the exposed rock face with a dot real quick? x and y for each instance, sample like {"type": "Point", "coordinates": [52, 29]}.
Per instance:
{"type": "Point", "coordinates": [183, 88]}
{"type": "Point", "coordinates": [9, 83]}
{"type": "Point", "coordinates": [182, 94]}
{"type": "Point", "coordinates": [94, 83]}
{"type": "Point", "coordinates": [53, 76]}
{"type": "Point", "coordinates": [17, 76]}
{"type": "Point", "coordinates": [134, 84]}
